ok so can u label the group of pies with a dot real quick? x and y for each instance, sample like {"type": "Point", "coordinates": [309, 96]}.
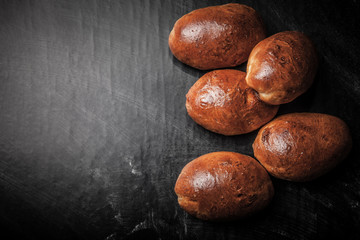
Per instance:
{"type": "Point", "coordinates": [297, 147]}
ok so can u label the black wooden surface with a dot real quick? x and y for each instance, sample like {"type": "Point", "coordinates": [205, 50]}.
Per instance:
{"type": "Point", "coordinates": [94, 131]}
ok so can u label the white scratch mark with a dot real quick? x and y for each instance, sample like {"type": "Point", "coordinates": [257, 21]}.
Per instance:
{"type": "Point", "coordinates": [134, 170]}
{"type": "Point", "coordinates": [142, 225]}
{"type": "Point", "coordinates": [118, 218]}
{"type": "Point", "coordinates": [185, 229]}
{"type": "Point", "coordinates": [111, 237]}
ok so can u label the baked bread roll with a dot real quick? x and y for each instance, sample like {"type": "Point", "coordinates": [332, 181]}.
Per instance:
{"type": "Point", "coordinates": [302, 146]}
{"type": "Point", "coordinates": [222, 102]}
{"type": "Point", "coordinates": [223, 186]}
{"type": "Point", "coordinates": [216, 37]}
{"type": "Point", "coordinates": [282, 67]}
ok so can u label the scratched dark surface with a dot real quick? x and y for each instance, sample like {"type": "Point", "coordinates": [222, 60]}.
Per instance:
{"type": "Point", "coordinates": [94, 131]}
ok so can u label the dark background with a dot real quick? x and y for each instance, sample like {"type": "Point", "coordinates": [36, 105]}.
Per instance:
{"type": "Point", "coordinates": [94, 130]}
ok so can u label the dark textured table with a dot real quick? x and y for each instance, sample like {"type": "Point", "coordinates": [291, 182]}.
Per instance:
{"type": "Point", "coordinates": [94, 131]}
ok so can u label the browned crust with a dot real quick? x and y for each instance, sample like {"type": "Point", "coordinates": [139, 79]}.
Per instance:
{"type": "Point", "coordinates": [282, 67]}
{"type": "Point", "coordinates": [302, 146]}
{"type": "Point", "coordinates": [221, 102]}
{"type": "Point", "coordinates": [223, 186]}
{"type": "Point", "coordinates": [216, 37]}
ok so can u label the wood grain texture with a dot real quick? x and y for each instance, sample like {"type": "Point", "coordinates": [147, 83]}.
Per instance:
{"type": "Point", "coordinates": [94, 130]}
